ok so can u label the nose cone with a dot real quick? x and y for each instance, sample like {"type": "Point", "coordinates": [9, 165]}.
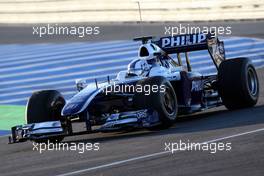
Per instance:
{"type": "Point", "coordinates": [80, 101]}
{"type": "Point", "coordinates": [72, 108]}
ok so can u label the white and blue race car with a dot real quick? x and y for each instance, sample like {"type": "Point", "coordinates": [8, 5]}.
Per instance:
{"type": "Point", "coordinates": [153, 91]}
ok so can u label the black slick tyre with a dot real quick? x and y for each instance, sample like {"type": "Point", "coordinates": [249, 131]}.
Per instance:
{"type": "Point", "coordinates": [43, 106]}
{"type": "Point", "coordinates": [238, 83]}
{"type": "Point", "coordinates": [163, 101]}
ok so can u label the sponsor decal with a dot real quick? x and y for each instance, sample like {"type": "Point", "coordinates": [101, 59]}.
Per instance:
{"type": "Point", "coordinates": [197, 85]}
{"type": "Point", "coordinates": [174, 41]}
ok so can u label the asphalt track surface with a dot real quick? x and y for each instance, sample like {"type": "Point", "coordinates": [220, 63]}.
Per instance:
{"type": "Point", "coordinates": [142, 152]}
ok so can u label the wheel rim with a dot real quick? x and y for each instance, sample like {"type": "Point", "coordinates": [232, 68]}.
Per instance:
{"type": "Point", "coordinates": [252, 82]}
{"type": "Point", "coordinates": [169, 101]}
{"type": "Point", "coordinates": [57, 107]}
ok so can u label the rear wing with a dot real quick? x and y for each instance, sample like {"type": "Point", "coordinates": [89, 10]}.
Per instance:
{"type": "Point", "coordinates": [193, 42]}
{"type": "Point", "coordinates": [183, 43]}
{"type": "Point", "coordinates": [190, 42]}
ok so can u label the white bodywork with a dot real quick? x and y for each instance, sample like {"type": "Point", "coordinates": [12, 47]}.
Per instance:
{"type": "Point", "coordinates": [141, 66]}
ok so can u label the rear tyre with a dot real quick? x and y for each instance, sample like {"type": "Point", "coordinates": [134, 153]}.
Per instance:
{"type": "Point", "coordinates": [238, 83]}
{"type": "Point", "coordinates": [45, 106]}
{"type": "Point", "coordinates": [164, 101]}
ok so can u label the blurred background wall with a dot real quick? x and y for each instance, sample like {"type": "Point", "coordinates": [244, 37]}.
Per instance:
{"type": "Point", "coordinates": [68, 11]}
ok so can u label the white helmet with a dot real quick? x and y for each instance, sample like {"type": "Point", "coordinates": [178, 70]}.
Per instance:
{"type": "Point", "coordinates": [138, 66]}
{"type": "Point", "coordinates": [147, 54]}
{"type": "Point", "coordinates": [149, 51]}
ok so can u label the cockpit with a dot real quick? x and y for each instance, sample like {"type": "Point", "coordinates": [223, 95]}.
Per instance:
{"type": "Point", "coordinates": [149, 56]}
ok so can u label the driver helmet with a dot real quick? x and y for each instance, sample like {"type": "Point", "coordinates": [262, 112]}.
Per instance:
{"type": "Point", "coordinates": [138, 67]}
{"type": "Point", "coordinates": [147, 58]}
{"type": "Point", "coordinates": [150, 53]}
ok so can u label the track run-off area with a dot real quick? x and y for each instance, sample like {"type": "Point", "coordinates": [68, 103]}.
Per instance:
{"type": "Point", "coordinates": [31, 67]}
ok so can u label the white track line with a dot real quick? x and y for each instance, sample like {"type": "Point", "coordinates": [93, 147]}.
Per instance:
{"type": "Point", "coordinates": [97, 71]}
{"type": "Point", "coordinates": [73, 58]}
{"type": "Point", "coordinates": [84, 72]}
{"type": "Point", "coordinates": [200, 56]}
{"type": "Point", "coordinates": [152, 155]}
{"type": "Point", "coordinates": [199, 62]}
{"type": "Point", "coordinates": [59, 58]}
{"type": "Point", "coordinates": [68, 67]}
{"type": "Point", "coordinates": [57, 83]}
{"type": "Point", "coordinates": [87, 58]}
{"type": "Point", "coordinates": [72, 92]}
{"type": "Point", "coordinates": [60, 68]}
{"type": "Point", "coordinates": [63, 49]}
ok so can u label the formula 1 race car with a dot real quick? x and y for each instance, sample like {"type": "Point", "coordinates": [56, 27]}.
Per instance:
{"type": "Point", "coordinates": [151, 93]}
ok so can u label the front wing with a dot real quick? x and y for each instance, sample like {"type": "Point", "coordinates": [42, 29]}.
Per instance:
{"type": "Point", "coordinates": [119, 121]}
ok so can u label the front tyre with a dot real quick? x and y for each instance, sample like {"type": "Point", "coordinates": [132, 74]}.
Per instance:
{"type": "Point", "coordinates": [163, 101]}
{"type": "Point", "coordinates": [43, 106]}
{"type": "Point", "coordinates": [238, 83]}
